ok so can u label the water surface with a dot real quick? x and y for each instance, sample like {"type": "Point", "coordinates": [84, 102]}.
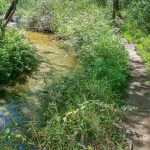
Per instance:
{"type": "Point", "coordinates": [51, 59]}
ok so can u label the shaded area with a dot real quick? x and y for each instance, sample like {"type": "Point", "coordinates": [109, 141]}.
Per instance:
{"type": "Point", "coordinates": [138, 118]}
{"type": "Point", "coordinates": [24, 94]}
{"type": "Point", "coordinates": [9, 113]}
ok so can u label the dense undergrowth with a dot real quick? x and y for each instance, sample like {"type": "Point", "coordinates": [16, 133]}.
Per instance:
{"type": "Point", "coordinates": [3, 5]}
{"type": "Point", "coordinates": [16, 56]}
{"type": "Point", "coordinates": [137, 27]}
{"type": "Point", "coordinates": [79, 111]}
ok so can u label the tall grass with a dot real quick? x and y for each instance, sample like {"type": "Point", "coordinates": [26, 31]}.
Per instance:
{"type": "Point", "coordinates": [137, 26]}
{"type": "Point", "coordinates": [79, 111]}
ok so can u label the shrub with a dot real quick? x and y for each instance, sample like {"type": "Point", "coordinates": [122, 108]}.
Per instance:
{"type": "Point", "coordinates": [137, 26]}
{"type": "Point", "coordinates": [16, 56]}
{"type": "Point", "coordinates": [99, 50]}
{"type": "Point", "coordinates": [38, 15]}
{"type": "Point", "coordinates": [78, 112]}
{"type": "Point", "coordinates": [3, 6]}
{"type": "Point", "coordinates": [138, 16]}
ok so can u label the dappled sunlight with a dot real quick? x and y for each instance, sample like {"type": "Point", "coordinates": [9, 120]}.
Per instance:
{"type": "Point", "coordinates": [138, 118]}
{"type": "Point", "coordinates": [49, 52]}
{"type": "Point", "coordinates": [51, 59]}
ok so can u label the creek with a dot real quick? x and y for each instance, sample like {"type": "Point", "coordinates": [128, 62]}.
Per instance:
{"type": "Point", "coordinates": [23, 94]}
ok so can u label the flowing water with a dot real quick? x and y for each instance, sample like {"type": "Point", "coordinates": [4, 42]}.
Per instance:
{"type": "Point", "coordinates": [51, 60]}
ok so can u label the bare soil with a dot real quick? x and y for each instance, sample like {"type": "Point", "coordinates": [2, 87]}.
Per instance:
{"type": "Point", "coordinates": [137, 119]}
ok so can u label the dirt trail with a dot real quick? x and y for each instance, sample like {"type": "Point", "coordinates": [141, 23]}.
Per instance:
{"type": "Point", "coordinates": [138, 119]}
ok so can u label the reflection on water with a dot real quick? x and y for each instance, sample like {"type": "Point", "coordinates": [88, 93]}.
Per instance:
{"type": "Point", "coordinates": [9, 113]}
{"type": "Point", "coordinates": [51, 59]}
{"type": "Point", "coordinates": [50, 52]}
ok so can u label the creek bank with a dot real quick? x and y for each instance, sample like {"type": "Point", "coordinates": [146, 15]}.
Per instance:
{"type": "Point", "coordinates": [51, 60]}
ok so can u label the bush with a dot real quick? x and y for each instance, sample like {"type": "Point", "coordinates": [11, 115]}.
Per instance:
{"type": "Point", "coordinates": [38, 15]}
{"type": "Point", "coordinates": [137, 26]}
{"type": "Point", "coordinates": [99, 50]}
{"type": "Point", "coordinates": [78, 112]}
{"type": "Point", "coordinates": [41, 15]}
{"type": "Point", "coordinates": [138, 16]}
{"type": "Point", "coordinates": [3, 6]}
{"type": "Point", "coordinates": [16, 56]}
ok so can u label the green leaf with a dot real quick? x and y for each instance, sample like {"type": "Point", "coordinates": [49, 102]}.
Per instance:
{"type": "Point", "coordinates": [7, 131]}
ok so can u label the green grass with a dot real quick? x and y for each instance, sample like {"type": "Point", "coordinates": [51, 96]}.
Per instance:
{"type": "Point", "coordinates": [142, 41]}
{"type": "Point", "coordinates": [136, 27]}
{"type": "Point", "coordinates": [79, 111]}
{"type": "Point", "coordinates": [3, 6]}
{"type": "Point", "coordinates": [144, 49]}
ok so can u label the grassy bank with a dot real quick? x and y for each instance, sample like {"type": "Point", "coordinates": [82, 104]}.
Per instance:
{"type": "Point", "coordinates": [79, 111]}
{"type": "Point", "coordinates": [136, 27]}
{"type": "Point", "coordinates": [142, 42]}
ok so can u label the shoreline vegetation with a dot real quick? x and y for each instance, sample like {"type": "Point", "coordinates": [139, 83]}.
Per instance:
{"type": "Point", "coordinates": [78, 110]}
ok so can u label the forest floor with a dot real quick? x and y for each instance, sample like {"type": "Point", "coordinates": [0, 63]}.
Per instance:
{"type": "Point", "coordinates": [137, 119]}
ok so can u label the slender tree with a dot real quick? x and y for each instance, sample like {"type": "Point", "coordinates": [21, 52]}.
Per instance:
{"type": "Point", "coordinates": [114, 12]}
{"type": "Point", "coordinates": [115, 8]}
{"type": "Point", "coordinates": [7, 17]}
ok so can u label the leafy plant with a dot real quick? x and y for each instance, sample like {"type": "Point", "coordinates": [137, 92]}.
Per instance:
{"type": "Point", "coordinates": [16, 56]}
{"type": "Point", "coordinates": [137, 26]}
{"type": "Point", "coordinates": [138, 16]}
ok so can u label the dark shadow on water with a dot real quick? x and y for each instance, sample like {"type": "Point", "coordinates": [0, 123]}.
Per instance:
{"type": "Point", "coordinates": [9, 114]}
{"type": "Point", "coordinates": [48, 52]}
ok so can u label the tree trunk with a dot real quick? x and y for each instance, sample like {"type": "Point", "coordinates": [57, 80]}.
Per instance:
{"type": "Point", "coordinates": [115, 8]}
{"type": "Point", "coordinates": [10, 12]}
{"type": "Point", "coordinates": [114, 11]}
